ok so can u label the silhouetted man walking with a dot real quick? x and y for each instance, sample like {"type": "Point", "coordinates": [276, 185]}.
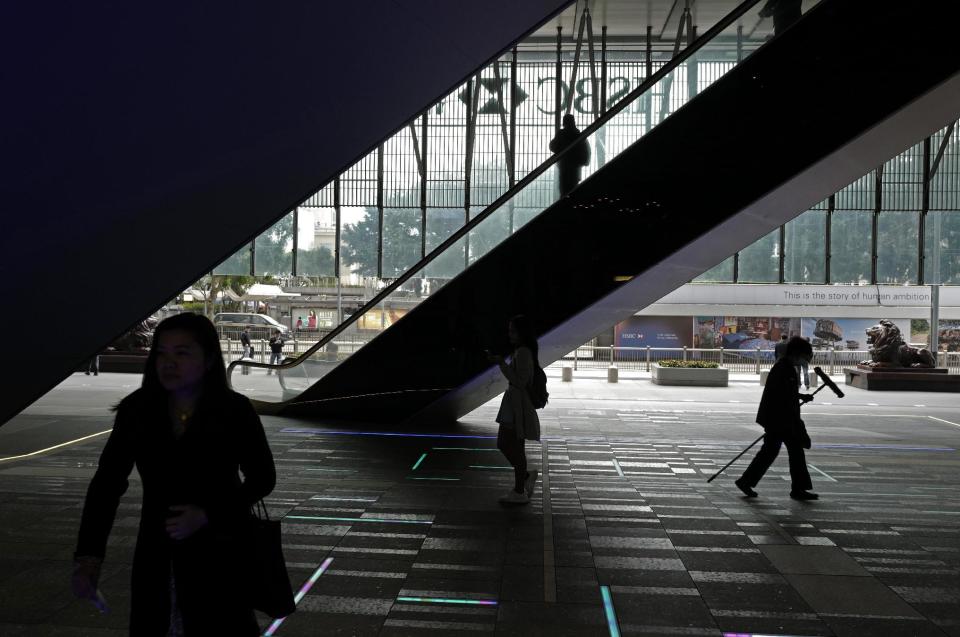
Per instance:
{"type": "Point", "coordinates": [779, 414]}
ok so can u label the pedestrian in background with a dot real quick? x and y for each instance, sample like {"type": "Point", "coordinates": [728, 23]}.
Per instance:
{"type": "Point", "coordinates": [779, 415]}
{"type": "Point", "coordinates": [276, 349]}
{"type": "Point", "coordinates": [517, 416]}
{"type": "Point", "coordinates": [245, 343]}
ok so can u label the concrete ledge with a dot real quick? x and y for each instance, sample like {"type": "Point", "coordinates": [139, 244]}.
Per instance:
{"type": "Point", "coordinates": [693, 376]}
{"type": "Point", "coordinates": [928, 380]}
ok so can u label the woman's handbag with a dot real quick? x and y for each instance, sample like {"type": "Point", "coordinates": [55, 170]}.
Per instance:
{"type": "Point", "coordinates": [268, 580]}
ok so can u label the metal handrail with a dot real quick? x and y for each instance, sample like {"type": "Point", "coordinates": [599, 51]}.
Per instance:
{"type": "Point", "coordinates": [627, 100]}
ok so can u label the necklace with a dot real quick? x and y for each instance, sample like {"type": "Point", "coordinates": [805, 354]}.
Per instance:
{"type": "Point", "coordinates": [184, 416]}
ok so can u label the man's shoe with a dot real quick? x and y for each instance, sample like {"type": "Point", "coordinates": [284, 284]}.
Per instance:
{"type": "Point", "coordinates": [530, 483]}
{"type": "Point", "coordinates": [514, 498]}
{"type": "Point", "coordinates": [804, 495]}
{"type": "Point", "coordinates": [747, 491]}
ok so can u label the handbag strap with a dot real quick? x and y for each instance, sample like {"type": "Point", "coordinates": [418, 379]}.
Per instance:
{"type": "Point", "coordinates": [259, 510]}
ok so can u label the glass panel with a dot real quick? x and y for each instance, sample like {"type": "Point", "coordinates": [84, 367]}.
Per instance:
{"type": "Point", "coordinates": [446, 152]}
{"type": "Point", "coordinates": [273, 253]}
{"type": "Point", "coordinates": [316, 241]}
{"type": "Point", "coordinates": [945, 184]}
{"type": "Point", "coordinates": [860, 195]}
{"type": "Point", "coordinates": [401, 176]}
{"type": "Point", "coordinates": [902, 183]}
{"type": "Point", "coordinates": [236, 263]}
{"type": "Point", "coordinates": [805, 252]}
{"type": "Point", "coordinates": [401, 240]}
{"type": "Point", "coordinates": [897, 247]}
{"type": "Point", "coordinates": [851, 237]}
{"type": "Point", "coordinates": [489, 179]}
{"type": "Point", "coordinates": [760, 261]}
{"type": "Point", "coordinates": [359, 242]}
{"type": "Point", "coordinates": [441, 223]}
{"type": "Point", "coordinates": [493, 230]}
{"type": "Point", "coordinates": [947, 226]}
{"type": "Point", "coordinates": [358, 184]}
{"type": "Point", "coordinates": [720, 273]}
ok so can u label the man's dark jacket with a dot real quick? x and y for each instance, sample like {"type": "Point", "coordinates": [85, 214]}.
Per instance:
{"type": "Point", "coordinates": [779, 411]}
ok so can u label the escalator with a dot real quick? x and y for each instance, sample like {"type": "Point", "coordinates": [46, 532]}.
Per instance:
{"type": "Point", "coordinates": [142, 147]}
{"type": "Point", "coordinates": [799, 118]}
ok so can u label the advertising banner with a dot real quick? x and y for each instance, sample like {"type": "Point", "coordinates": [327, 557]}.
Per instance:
{"type": "Point", "coordinates": [654, 331]}
{"type": "Point", "coordinates": [845, 333]}
{"type": "Point", "coordinates": [742, 332]}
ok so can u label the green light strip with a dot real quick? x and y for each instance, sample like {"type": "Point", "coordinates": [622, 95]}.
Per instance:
{"type": "Point", "coordinates": [609, 611]}
{"type": "Point", "coordinates": [446, 479]}
{"type": "Point", "coordinates": [449, 600]}
{"type": "Point", "coordinates": [417, 463]}
{"type": "Point", "coordinates": [323, 517]}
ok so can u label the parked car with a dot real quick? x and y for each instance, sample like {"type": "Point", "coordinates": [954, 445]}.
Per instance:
{"type": "Point", "coordinates": [231, 324]}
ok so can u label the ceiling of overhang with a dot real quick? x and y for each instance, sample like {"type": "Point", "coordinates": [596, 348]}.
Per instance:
{"type": "Point", "coordinates": [626, 18]}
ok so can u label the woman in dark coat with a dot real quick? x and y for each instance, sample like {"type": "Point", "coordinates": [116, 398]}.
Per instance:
{"type": "Point", "coordinates": [190, 438]}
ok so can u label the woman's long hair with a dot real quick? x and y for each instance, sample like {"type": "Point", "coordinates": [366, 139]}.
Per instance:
{"type": "Point", "coordinates": [528, 337]}
{"type": "Point", "coordinates": [205, 334]}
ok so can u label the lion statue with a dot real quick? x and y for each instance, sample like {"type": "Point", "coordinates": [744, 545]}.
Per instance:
{"type": "Point", "coordinates": [888, 349]}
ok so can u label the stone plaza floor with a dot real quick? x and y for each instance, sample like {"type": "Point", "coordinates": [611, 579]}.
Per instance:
{"type": "Point", "coordinates": [403, 534]}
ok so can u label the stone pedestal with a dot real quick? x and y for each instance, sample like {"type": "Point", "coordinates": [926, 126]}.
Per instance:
{"type": "Point", "coordinates": [902, 379]}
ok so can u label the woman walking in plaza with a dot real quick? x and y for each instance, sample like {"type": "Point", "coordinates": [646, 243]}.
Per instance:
{"type": "Point", "coordinates": [517, 417]}
{"type": "Point", "coordinates": [190, 438]}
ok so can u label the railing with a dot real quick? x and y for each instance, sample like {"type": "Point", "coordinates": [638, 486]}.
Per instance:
{"type": "Point", "coordinates": [747, 361]}
{"type": "Point", "coordinates": [660, 95]}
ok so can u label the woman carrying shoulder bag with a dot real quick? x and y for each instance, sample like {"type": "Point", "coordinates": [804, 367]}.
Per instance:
{"type": "Point", "coordinates": [517, 416]}
{"type": "Point", "coordinates": [190, 438]}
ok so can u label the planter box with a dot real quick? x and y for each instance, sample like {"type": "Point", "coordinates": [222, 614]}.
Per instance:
{"type": "Point", "coordinates": [690, 376]}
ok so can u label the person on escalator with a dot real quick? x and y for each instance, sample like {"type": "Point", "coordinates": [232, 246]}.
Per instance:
{"type": "Point", "coordinates": [571, 162]}
{"type": "Point", "coordinates": [783, 12]}
{"type": "Point", "coordinates": [517, 416]}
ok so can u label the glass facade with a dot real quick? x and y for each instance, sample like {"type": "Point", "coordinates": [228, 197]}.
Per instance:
{"type": "Point", "coordinates": [380, 216]}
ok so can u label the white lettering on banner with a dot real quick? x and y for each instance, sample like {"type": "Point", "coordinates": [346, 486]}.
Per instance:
{"type": "Point", "coordinates": [826, 295]}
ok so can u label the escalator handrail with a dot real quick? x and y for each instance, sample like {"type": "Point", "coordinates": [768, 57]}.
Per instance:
{"type": "Point", "coordinates": [626, 101]}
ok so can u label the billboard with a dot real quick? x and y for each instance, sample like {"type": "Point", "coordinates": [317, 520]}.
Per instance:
{"type": "Point", "coordinates": [845, 333]}
{"type": "Point", "coordinates": [654, 331]}
{"type": "Point", "coordinates": [742, 332]}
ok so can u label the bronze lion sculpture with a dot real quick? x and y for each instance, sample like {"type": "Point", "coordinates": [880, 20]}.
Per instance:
{"type": "Point", "coordinates": [888, 349]}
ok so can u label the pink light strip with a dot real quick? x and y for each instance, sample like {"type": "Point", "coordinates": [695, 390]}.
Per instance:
{"type": "Point", "coordinates": [300, 594]}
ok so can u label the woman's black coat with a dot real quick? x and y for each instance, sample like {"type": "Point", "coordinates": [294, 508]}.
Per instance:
{"type": "Point", "coordinates": [201, 468]}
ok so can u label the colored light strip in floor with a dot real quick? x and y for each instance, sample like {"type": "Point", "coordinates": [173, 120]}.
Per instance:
{"type": "Point", "coordinates": [463, 449]}
{"type": "Point", "coordinates": [389, 434]}
{"type": "Point", "coordinates": [62, 444]}
{"type": "Point", "coordinates": [609, 611]}
{"type": "Point", "coordinates": [616, 465]}
{"type": "Point", "coordinates": [300, 594]}
{"type": "Point", "coordinates": [325, 497]}
{"type": "Point", "coordinates": [417, 463]}
{"type": "Point", "coordinates": [437, 479]}
{"type": "Point", "coordinates": [448, 600]}
{"type": "Point", "coordinates": [756, 635]}
{"type": "Point", "coordinates": [324, 518]}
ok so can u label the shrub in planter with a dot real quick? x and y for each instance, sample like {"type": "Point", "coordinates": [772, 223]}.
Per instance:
{"type": "Point", "coordinates": [689, 364]}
